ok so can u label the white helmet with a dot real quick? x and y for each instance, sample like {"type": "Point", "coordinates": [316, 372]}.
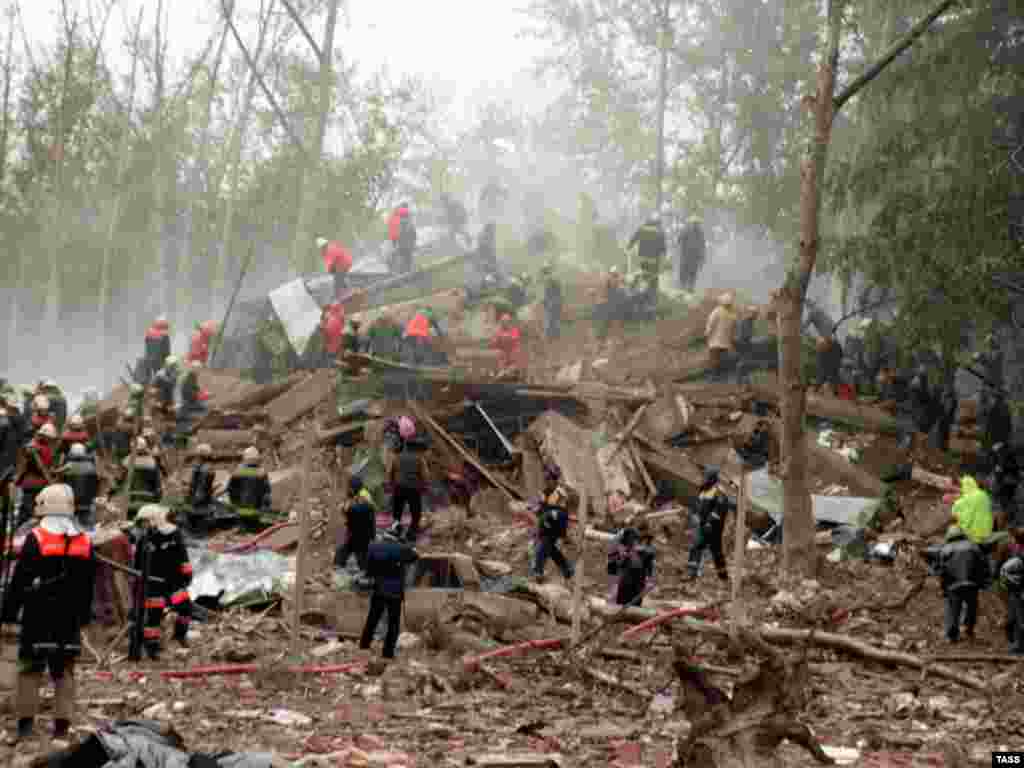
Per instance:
{"type": "Point", "coordinates": [204, 449]}
{"type": "Point", "coordinates": [48, 430]}
{"type": "Point", "coordinates": [41, 403]}
{"type": "Point", "coordinates": [171, 361]}
{"type": "Point", "coordinates": [614, 270]}
{"type": "Point", "coordinates": [156, 515]}
{"type": "Point", "coordinates": [251, 455]}
{"type": "Point", "coordinates": [77, 451]}
{"type": "Point", "coordinates": [55, 500]}
{"type": "Point", "coordinates": [321, 242]}
{"type": "Point", "coordinates": [50, 384]}
{"type": "Point", "coordinates": [76, 421]}
{"type": "Point", "coordinates": [141, 446]}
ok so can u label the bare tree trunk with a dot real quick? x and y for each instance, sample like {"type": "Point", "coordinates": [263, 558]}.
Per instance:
{"type": "Point", "coordinates": [158, 216]}
{"type": "Point", "coordinates": [8, 74]}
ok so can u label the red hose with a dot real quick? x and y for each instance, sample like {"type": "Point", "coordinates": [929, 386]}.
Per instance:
{"type": "Point", "coordinates": [512, 650]}
{"type": "Point", "coordinates": [244, 669]}
{"type": "Point", "coordinates": [705, 613]}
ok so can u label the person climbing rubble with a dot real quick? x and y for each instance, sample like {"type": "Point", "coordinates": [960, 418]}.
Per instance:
{"type": "Point", "coordinates": [649, 241]}
{"type": "Point", "coordinates": [144, 478]}
{"type": "Point", "coordinates": [409, 477]}
{"type": "Point", "coordinates": [338, 263]}
{"type": "Point", "coordinates": [199, 345]}
{"type": "Point", "coordinates": [963, 571]}
{"type": "Point", "coordinates": [35, 471]}
{"type": "Point", "coordinates": [79, 472]}
{"type": "Point", "coordinates": [712, 507]}
{"type": "Point", "coordinates": [508, 341]}
{"type": "Point", "coordinates": [720, 331]}
{"type": "Point", "coordinates": [552, 525]}
{"type": "Point", "coordinates": [249, 487]}
{"type": "Point", "coordinates": [386, 562]}
{"type": "Point", "coordinates": [421, 333]}
{"type": "Point", "coordinates": [361, 525]}
{"type": "Point", "coordinates": [52, 591]}
{"type": "Point", "coordinates": [631, 564]}
{"type": "Point", "coordinates": [156, 350]}
{"type": "Point", "coordinates": [170, 576]}
{"type": "Point", "coordinates": [972, 511]}
{"type": "Point", "coordinates": [1012, 574]}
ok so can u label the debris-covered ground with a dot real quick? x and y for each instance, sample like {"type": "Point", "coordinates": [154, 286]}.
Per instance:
{"type": "Point", "coordinates": [882, 687]}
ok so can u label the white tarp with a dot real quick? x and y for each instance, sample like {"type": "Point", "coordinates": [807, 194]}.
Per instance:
{"type": "Point", "coordinates": [298, 312]}
{"type": "Point", "coordinates": [766, 495]}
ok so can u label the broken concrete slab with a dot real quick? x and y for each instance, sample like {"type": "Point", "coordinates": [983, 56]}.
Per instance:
{"type": "Point", "coordinates": [302, 398]}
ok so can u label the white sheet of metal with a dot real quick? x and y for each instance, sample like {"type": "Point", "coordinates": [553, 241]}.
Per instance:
{"type": "Point", "coordinates": [298, 312]}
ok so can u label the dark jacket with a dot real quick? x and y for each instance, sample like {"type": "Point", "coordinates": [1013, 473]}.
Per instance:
{"type": "Point", "coordinates": [165, 381]}
{"type": "Point", "coordinates": [633, 565]}
{"type": "Point", "coordinates": [386, 564]}
{"type": "Point", "coordinates": [146, 480]}
{"type": "Point", "coordinates": [553, 514]}
{"type": "Point", "coordinates": [81, 475]}
{"type": "Point", "coordinates": [962, 565]}
{"type": "Point", "coordinates": [408, 470]}
{"type": "Point", "coordinates": [553, 296]}
{"type": "Point", "coordinates": [190, 389]}
{"type": "Point", "coordinates": [249, 487]}
{"type": "Point", "coordinates": [650, 242]}
{"type": "Point", "coordinates": [200, 488]}
{"type": "Point", "coordinates": [158, 349]}
{"type": "Point", "coordinates": [361, 518]}
{"type": "Point", "coordinates": [712, 507]}
{"type": "Point", "coordinates": [168, 561]}
{"type": "Point", "coordinates": [10, 440]}
{"type": "Point", "coordinates": [52, 588]}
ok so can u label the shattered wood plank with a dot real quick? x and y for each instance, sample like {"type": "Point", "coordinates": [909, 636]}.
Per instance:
{"type": "Point", "coordinates": [836, 468]}
{"type": "Point", "coordinates": [302, 398]}
{"type": "Point", "coordinates": [622, 438]}
{"type": "Point", "coordinates": [652, 489]}
{"type": "Point", "coordinates": [924, 477]}
{"type": "Point", "coordinates": [520, 761]}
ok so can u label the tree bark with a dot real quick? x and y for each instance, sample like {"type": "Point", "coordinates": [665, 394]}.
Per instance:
{"type": "Point", "coordinates": [8, 75]}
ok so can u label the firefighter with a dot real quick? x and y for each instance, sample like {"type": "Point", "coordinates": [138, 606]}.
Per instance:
{"type": "Point", "coordinates": [402, 234]}
{"type": "Point", "coordinates": [144, 478]}
{"type": "Point", "coordinates": [36, 471]}
{"type": "Point", "coordinates": [170, 576]}
{"type": "Point", "coordinates": [41, 413]}
{"type": "Point", "coordinates": [52, 590]}
{"type": "Point", "coordinates": [199, 346]}
{"type": "Point", "coordinates": [58, 402]}
{"type": "Point", "coordinates": [332, 332]}
{"type": "Point", "coordinates": [361, 523]}
{"type": "Point", "coordinates": [79, 472]}
{"type": "Point", "coordinates": [631, 562]}
{"type": "Point", "coordinates": [552, 524]}
{"type": "Point", "coordinates": [157, 349]}
{"type": "Point", "coordinates": [75, 433]}
{"type": "Point", "coordinates": [166, 381]}
{"type": "Point", "coordinates": [386, 562]}
{"type": "Point", "coordinates": [552, 303]}
{"type": "Point", "coordinates": [200, 490]}
{"type": "Point", "coordinates": [420, 329]}
{"type": "Point", "coordinates": [720, 332]}
{"type": "Point", "coordinates": [337, 261]}
{"type": "Point", "coordinates": [649, 241]}
{"type": "Point", "coordinates": [249, 487]}
{"type": "Point", "coordinates": [712, 507]}
{"type": "Point", "coordinates": [963, 571]}
{"type": "Point", "coordinates": [509, 343]}
{"type": "Point", "coordinates": [193, 397]}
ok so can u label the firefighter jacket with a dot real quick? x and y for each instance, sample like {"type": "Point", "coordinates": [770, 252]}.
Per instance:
{"type": "Point", "coordinates": [650, 244]}
{"type": "Point", "coordinates": [52, 589]}
{"type": "Point", "coordinates": [39, 454]}
{"type": "Point", "coordinates": [199, 347]}
{"type": "Point", "coordinates": [712, 507]}
{"type": "Point", "coordinates": [249, 488]}
{"type": "Point", "coordinates": [81, 475]}
{"type": "Point", "coordinates": [157, 347]}
{"type": "Point", "coordinates": [146, 481]}
{"type": "Point", "coordinates": [168, 561]}
{"type": "Point", "coordinates": [337, 258]}
{"type": "Point", "coordinates": [332, 328]}
{"type": "Point", "coordinates": [200, 488]}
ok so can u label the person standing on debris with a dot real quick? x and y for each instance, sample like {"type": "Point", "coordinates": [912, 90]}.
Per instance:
{"type": "Point", "coordinates": [79, 473]}
{"type": "Point", "coordinates": [1012, 574]}
{"type": "Point", "coordinates": [408, 476]}
{"type": "Point", "coordinates": [552, 303]}
{"type": "Point", "coordinates": [199, 346]}
{"type": "Point", "coordinates": [552, 525]}
{"type": "Point", "coordinates": [402, 234]}
{"type": "Point", "coordinates": [508, 340]}
{"type": "Point", "coordinates": [487, 249]}
{"type": "Point", "coordinates": [157, 349]}
{"type": "Point", "coordinates": [35, 469]}
{"type": "Point", "coordinates": [720, 332]}
{"type": "Point", "coordinates": [419, 331]}
{"type": "Point", "coordinates": [829, 359]}
{"type": "Point", "coordinates": [1005, 480]}
{"type": "Point", "coordinates": [612, 303]}
{"type": "Point", "coordinates": [385, 337]}
{"type": "Point", "coordinates": [337, 261]}
{"type": "Point", "coordinates": [386, 562]}
{"type": "Point", "coordinates": [650, 243]}
{"type": "Point", "coordinates": [200, 490]}
{"type": "Point", "coordinates": [972, 512]}
{"type": "Point", "coordinates": [58, 402]}
{"type": "Point", "coordinates": [712, 507]}
{"type": "Point", "coordinates": [193, 397]}
{"type": "Point", "coordinates": [997, 420]}
{"type": "Point", "coordinates": [963, 572]}
{"type": "Point", "coordinates": [631, 562]}
{"type": "Point", "coordinates": [249, 487]}
{"type": "Point", "coordinates": [361, 522]}
{"type": "Point", "coordinates": [144, 478]}
{"type": "Point", "coordinates": [75, 433]}
{"type": "Point", "coordinates": [332, 331]}
{"type": "Point", "coordinates": [692, 247]}
{"type": "Point", "coordinates": [52, 590]}
{"type": "Point", "coordinates": [10, 441]}
{"type": "Point", "coordinates": [170, 576]}
{"type": "Point", "coordinates": [165, 382]}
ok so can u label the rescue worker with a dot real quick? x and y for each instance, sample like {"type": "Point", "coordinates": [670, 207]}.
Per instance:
{"type": "Point", "coordinates": [402, 234]}
{"type": "Point", "coordinates": [972, 512]}
{"type": "Point", "coordinates": [418, 347]}
{"type": "Point", "coordinates": [249, 487]}
{"type": "Point", "coordinates": [171, 575]}
{"type": "Point", "coordinates": [352, 342]}
{"type": "Point", "coordinates": [692, 247]}
{"type": "Point", "coordinates": [200, 490]}
{"type": "Point", "coordinates": [75, 433]}
{"type": "Point", "coordinates": [649, 240]}
{"type": "Point", "coordinates": [487, 249]}
{"type": "Point", "coordinates": [508, 340]}
{"type": "Point", "coordinates": [199, 346]}
{"type": "Point", "coordinates": [552, 525]}
{"type": "Point", "coordinates": [16, 433]}
{"type": "Point", "coordinates": [58, 402]}
{"type": "Point", "coordinates": [829, 359]}
{"type": "Point", "coordinates": [631, 562]}
{"type": "Point", "coordinates": [408, 476]}
{"type": "Point", "coordinates": [332, 331]}
{"type": "Point", "coordinates": [552, 302]}
{"type": "Point", "coordinates": [337, 261]}
{"type": "Point", "coordinates": [41, 413]}
{"type": "Point", "coordinates": [157, 349]}
{"type": "Point", "coordinates": [712, 508]}
{"type": "Point", "coordinates": [612, 303]}
{"type": "Point", "coordinates": [1012, 574]}
{"type": "Point", "coordinates": [52, 590]}
{"type": "Point", "coordinates": [193, 396]}
{"type": "Point", "coordinates": [121, 437]}
{"type": "Point", "coordinates": [10, 440]}
{"type": "Point", "coordinates": [361, 524]}
{"type": "Point", "coordinates": [1005, 480]}
{"type": "Point", "coordinates": [996, 421]}
{"type": "Point", "coordinates": [79, 472]}
{"type": "Point", "coordinates": [385, 337]}
{"type": "Point", "coordinates": [36, 469]}
{"type": "Point", "coordinates": [963, 572]}
{"type": "Point", "coordinates": [144, 478]}
{"type": "Point", "coordinates": [166, 382]}
{"type": "Point", "coordinates": [746, 360]}
{"type": "Point", "coordinates": [386, 562]}
{"type": "Point", "coordinates": [720, 332]}
{"type": "Point", "coordinates": [517, 292]}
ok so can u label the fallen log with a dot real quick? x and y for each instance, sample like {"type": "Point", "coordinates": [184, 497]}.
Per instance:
{"type": "Point", "coordinates": [260, 397]}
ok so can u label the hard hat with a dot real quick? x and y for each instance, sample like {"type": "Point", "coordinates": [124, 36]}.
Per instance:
{"type": "Point", "coordinates": [77, 451]}
{"type": "Point", "coordinates": [49, 384]}
{"type": "Point", "coordinates": [613, 270]}
{"type": "Point", "coordinates": [321, 242]}
{"type": "Point", "coordinates": [141, 446]}
{"type": "Point", "coordinates": [251, 455]}
{"type": "Point", "coordinates": [55, 500]}
{"type": "Point", "coordinates": [76, 421]}
{"type": "Point", "coordinates": [41, 403]}
{"type": "Point", "coordinates": [204, 449]}
{"type": "Point", "coordinates": [48, 431]}
{"type": "Point", "coordinates": [406, 427]}
{"type": "Point", "coordinates": [171, 361]}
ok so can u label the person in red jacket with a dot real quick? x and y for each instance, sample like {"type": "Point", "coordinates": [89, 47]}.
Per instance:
{"type": "Point", "coordinates": [332, 332]}
{"type": "Point", "coordinates": [403, 237]}
{"type": "Point", "coordinates": [157, 349]}
{"type": "Point", "coordinates": [337, 261]}
{"type": "Point", "coordinates": [199, 348]}
{"type": "Point", "coordinates": [508, 341]}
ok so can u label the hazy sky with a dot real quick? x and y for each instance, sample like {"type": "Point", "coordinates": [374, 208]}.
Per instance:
{"type": "Point", "coordinates": [468, 50]}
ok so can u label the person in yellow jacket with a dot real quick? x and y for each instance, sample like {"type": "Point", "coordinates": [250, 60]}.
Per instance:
{"type": "Point", "coordinates": [721, 332]}
{"type": "Point", "coordinates": [972, 512]}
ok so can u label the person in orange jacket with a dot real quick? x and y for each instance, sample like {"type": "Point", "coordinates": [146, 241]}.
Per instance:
{"type": "Point", "coordinates": [199, 349]}
{"type": "Point", "coordinates": [508, 341]}
{"type": "Point", "coordinates": [337, 261]}
{"type": "Point", "coordinates": [332, 332]}
{"type": "Point", "coordinates": [418, 347]}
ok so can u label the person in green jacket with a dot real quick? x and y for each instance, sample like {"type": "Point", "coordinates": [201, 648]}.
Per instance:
{"type": "Point", "coordinates": [972, 512]}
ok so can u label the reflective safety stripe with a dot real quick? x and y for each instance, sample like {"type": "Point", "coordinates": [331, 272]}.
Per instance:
{"type": "Point", "coordinates": [179, 597]}
{"type": "Point", "coordinates": [151, 633]}
{"type": "Point", "coordinates": [55, 545]}
{"type": "Point", "coordinates": [186, 569]}
{"type": "Point", "coordinates": [155, 602]}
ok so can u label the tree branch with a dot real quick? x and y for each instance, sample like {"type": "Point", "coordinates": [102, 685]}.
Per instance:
{"type": "Point", "coordinates": [282, 118]}
{"type": "Point", "coordinates": [890, 55]}
{"type": "Point", "coordinates": [303, 29]}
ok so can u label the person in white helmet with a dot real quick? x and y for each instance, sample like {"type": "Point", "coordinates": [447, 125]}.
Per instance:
{"type": "Point", "coordinates": [74, 433]}
{"type": "Point", "coordinates": [144, 478]}
{"type": "Point", "coordinates": [52, 591]}
{"type": "Point", "coordinates": [249, 487]}
{"type": "Point", "coordinates": [200, 490]}
{"type": "Point", "coordinates": [157, 349]}
{"type": "Point", "coordinates": [35, 469]}
{"type": "Point", "coordinates": [79, 472]}
{"type": "Point", "coordinates": [164, 545]}
{"type": "Point", "coordinates": [166, 381]}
